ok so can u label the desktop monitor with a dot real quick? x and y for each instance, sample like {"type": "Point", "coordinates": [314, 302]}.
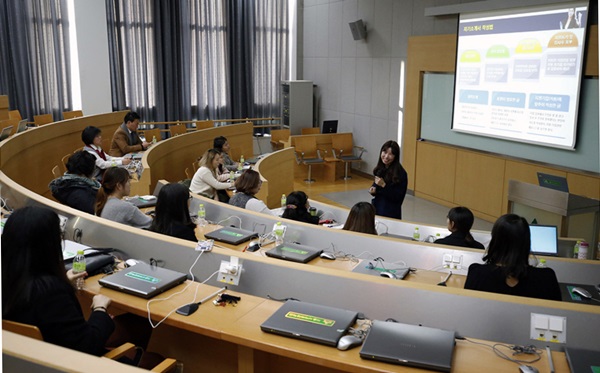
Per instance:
{"type": "Point", "coordinates": [544, 239]}
{"type": "Point", "coordinates": [330, 126]}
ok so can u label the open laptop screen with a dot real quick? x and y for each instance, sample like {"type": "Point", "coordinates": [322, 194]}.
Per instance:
{"type": "Point", "coordinates": [544, 239]}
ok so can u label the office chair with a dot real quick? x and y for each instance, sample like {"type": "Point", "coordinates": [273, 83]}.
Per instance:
{"type": "Point", "coordinates": [343, 149]}
{"type": "Point", "coordinates": [308, 154]}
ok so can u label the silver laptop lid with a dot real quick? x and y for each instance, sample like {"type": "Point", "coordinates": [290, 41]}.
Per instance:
{"type": "Point", "coordinates": [143, 280]}
{"type": "Point", "coordinates": [411, 345]}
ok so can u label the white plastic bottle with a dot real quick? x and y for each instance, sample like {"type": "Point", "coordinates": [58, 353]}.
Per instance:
{"type": "Point", "coordinates": [279, 230]}
{"type": "Point", "coordinates": [541, 263]}
{"type": "Point", "coordinates": [283, 201]}
{"type": "Point", "coordinates": [241, 164]}
{"type": "Point", "coordinates": [416, 234]}
{"type": "Point", "coordinates": [583, 250]}
{"type": "Point", "coordinates": [153, 139]}
{"type": "Point", "coordinates": [201, 215]}
{"type": "Point", "coordinates": [231, 176]}
{"type": "Point", "coordinates": [78, 267]}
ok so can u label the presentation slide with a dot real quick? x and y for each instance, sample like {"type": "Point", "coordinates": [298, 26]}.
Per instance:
{"type": "Point", "coordinates": [518, 74]}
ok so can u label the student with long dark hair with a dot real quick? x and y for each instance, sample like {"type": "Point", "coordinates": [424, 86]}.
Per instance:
{"type": "Point", "coordinates": [76, 188]}
{"type": "Point", "coordinates": [172, 213]}
{"type": "Point", "coordinates": [109, 204]}
{"type": "Point", "coordinates": [222, 145]}
{"type": "Point", "coordinates": [506, 269]}
{"type": "Point", "coordinates": [361, 218]}
{"type": "Point", "coordinates": [390, 183]}
{"type": "Point", "coordinates": [460, 220]}
{"type": "Point", "coordinates": [297, 208]}
{"type": "Point", "coordinates": [36, 289]}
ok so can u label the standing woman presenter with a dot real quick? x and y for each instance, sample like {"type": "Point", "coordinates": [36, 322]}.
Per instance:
{"type": "Point", "coordinates": [390, 183]}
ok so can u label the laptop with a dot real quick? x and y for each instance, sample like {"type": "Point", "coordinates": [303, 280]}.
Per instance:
{"type": "Point", "coordinates": [294, 252]}
{"type": "Point", "coordinates": [145, 201]}
{"type": "Point", "coordinates": [22, 126]}
{"type": "Point", "coordinates": [544, 239]}
{"type": "Point", "coordinates": [411, 345]}
{"type": "Point", "coordinates": [583, 360]}
{"type": "Point", "coordinates": [5, 132]}
{"type": "Point", "coordinates": [310, 322]}
{"type": "Point", "coordinates": [330, 126]}
{"type": "Point", "coordinates": [230, 235]}
{"type": "Point", "coordinates": [143, 280]}
{"type": "Point", "coordinates": [553, 182]}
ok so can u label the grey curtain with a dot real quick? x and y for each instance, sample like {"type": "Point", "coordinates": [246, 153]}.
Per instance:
{"type": "Point", "coordinates": [34, 56]}
{"type": "Point", "coordinates": [197, 59]}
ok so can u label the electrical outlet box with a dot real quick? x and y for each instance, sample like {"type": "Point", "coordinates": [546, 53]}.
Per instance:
{"type": "Point", "coordinates": [447, 261]}
{"type": "Point", "coordinates": [548, 328]}
{"type": "Point", "coordinates": [230, 272]}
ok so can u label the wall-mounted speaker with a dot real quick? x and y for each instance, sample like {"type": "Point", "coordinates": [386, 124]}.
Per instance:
{"type": "Point", "coordinates": [359, 29]}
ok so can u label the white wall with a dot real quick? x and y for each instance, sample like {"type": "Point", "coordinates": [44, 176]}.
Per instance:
{"type": "Point", "coordinates": [359, 81]}
{"type": "Point", "coordinates": [92, 46]}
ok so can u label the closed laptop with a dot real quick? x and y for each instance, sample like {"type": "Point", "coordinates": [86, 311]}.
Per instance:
{"type": "Point", "coordinates": [230, 235]}
{"type": "Point", "coordinates": [410, 345]}
{"type": "Point", "coordinates": [310, 322]}
{"type": "Point", "coordinates": [143, 280]}
{"type": "Point", "coordinates": [294, 252]}
{"type": "Point", "coordinates": [581, 360]}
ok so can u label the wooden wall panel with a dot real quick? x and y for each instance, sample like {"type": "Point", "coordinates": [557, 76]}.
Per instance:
{"type": "Point", "coordinates": [437, 181]}
{"type": "Point", "coordinates": [479, 182]}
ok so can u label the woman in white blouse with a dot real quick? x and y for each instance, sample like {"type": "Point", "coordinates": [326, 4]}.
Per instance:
{"type": "Point", "coordinates": [92, 138]}
{"type": "Point", "coordinates": [205, 180]}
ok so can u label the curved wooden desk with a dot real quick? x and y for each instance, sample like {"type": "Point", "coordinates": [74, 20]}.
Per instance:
{"type": "Point", "coordinates": [277, 174]}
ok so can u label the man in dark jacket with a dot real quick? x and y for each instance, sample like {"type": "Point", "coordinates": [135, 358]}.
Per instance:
{"type": "Point", "coordinates": [76, 188]}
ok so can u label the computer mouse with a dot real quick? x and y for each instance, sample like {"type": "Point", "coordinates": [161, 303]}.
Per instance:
{"type": "Point", "coordinates": [253, 246]}
{"type": "Point", "coordinates": [327, 255]}
{"type": "Point", "coordinates": [388, 275]}
{"type": "Point", "coordinates": [582, 292]}
{"type": "Point", "coordinates": [528, 369]}
{"type": "Point", "coordinates": [348, 341]}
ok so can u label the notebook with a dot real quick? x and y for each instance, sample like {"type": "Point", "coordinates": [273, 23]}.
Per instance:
{"type": "Point", "coordinates": [145, 201]}
{"type": "Point", "coordinates": [310, 322]}
{"type": "Point", "coordinates": [544, 239]}
{"type": "Point", "coordinates": [294, 252]}
{"type": "Point", "coordinates": [143, 280]}
{"type": "Point", "coordinates": [583, 360]}
{"type": "Point", "coordinates": [230, 235]}
{"type": "Point", "coordinates": [411, 345]}
{"type": "Point", "coordinates": [5, 132]}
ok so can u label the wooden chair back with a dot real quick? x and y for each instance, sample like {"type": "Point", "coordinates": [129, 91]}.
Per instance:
{"type": "Point", "coordinates": [178, 129]}
{"type": "Point", "coordinates": [204, 124]}
{"type": "Point", "coordinates": [14, 114]}
{"type": "Point", "coordinates": [150, 134]}
{"type": "Point", "coordinates": [306, 145]}
{"type": "Point", "coordinates": [343, 142]}
{"type": "Point", "coordinates": [56, 172]}
{"type": "Point", "coordinates": [64, 160]}
{"type": "Point", "coordinates": [277, 136]}
{"type": "Point", "coordinates": [72, 114]}
{"type": "Point", "coordinates": [27, 330]}
{"type": "Point", "coordinates": [42, 119]}
{"type": "Point", "coordinates": [310, 131]}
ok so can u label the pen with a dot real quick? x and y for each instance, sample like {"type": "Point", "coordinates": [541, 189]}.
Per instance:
{"type": "Point", "coordinates": [550, 362]}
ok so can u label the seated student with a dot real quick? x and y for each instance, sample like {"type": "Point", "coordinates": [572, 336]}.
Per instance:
{"type": "Point", "coordinates": [205, 180]}
{"type": "Point", "coordinates": [221, 144]}
{"type": "Point", "coordinates": [172, 213]}
{"type": "Point", "coordinates": [76, 188]}
{"type": "Point", "coordinates": [297, 208]}
{"type": "Point", "coordinates": [92, 138]}
{"type": "Point", "coordinates": [507, 269]}
{"type": "Point", "coordinates": [36, 290]}
{"type": "Point", "coordinates": [460, 220]}
{"type": "Point", "coordinates": [247, 185]}
{"type": "Point", "coordinates": [109, 203]}
{"type": "Point", "coordinates": [361, 218]}
{"type": "Point", "coordinates": [126, 139]}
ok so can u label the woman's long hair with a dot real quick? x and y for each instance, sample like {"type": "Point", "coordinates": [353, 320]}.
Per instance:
{"type": "Point", "coordinates": [208, 158]}
{"type": "Point", "coordinates": [171, 207]}
{"type": "Point", "coordinates": [510, 245]}
{"type": "Point", "coordinates": [463, 220]}
{"type": "Point", "coordinates": [392, 173]}
{"type": "Point", "coordinates": [361, 218]}
{"type": "Point", "coordinates": [31, 251]}
{"type": "Point", "coordinates": [113, 177]}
